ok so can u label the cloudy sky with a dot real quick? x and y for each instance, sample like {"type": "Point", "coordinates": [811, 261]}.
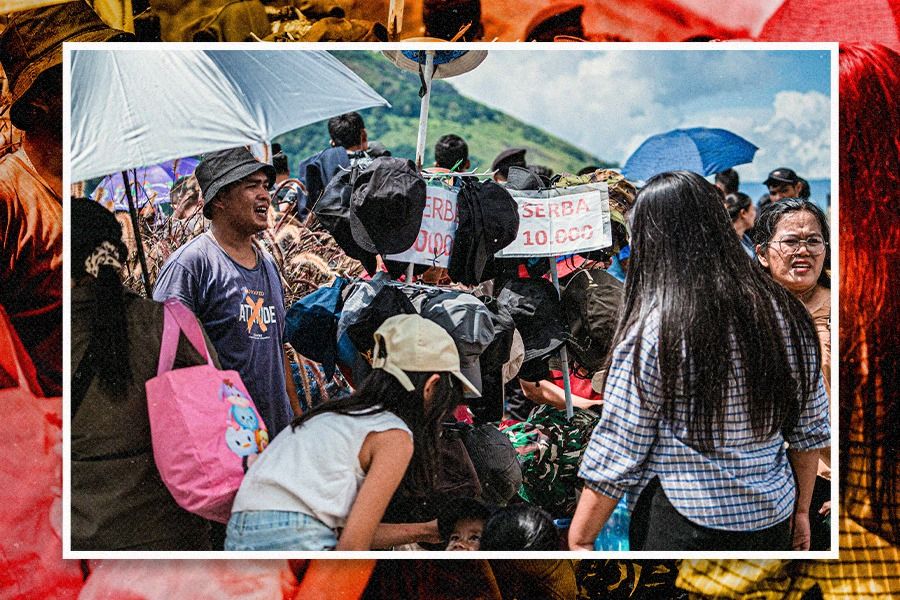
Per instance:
{"type": "Point", "coordinates": [609, 102]}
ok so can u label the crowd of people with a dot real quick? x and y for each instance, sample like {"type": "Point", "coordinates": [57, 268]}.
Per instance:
{"type": "Point", "coordinates": [438, 418]}
{"type": "Point", "coordinates": [869, 475]}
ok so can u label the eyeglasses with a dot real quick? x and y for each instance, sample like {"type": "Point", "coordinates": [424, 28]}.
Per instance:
{"type": "Point", "coordinates": [815, 245]}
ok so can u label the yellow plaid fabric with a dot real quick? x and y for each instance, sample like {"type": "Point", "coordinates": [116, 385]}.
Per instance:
{"type": "Point", "coordinates": [869, 568]}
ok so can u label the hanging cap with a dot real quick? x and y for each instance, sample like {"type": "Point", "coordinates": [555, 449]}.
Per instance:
{"type": "Point", "coordinates": [413, 343]}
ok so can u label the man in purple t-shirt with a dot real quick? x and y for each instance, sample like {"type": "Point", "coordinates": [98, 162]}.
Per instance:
{"type": "Point", "coordinates": [232, 284]}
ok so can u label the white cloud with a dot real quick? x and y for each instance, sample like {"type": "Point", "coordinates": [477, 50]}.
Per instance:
{"type": "Point", "coordinates": [798, 134]}
{"type": "Point", "coordinates": [610, 102]}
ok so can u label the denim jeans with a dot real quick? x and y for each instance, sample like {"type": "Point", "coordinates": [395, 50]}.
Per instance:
{"type": "Point", "coordinates": [277, 530]}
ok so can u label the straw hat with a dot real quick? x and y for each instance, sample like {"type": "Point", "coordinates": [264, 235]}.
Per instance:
{"type": "Point", "coordinates": [447, 63]}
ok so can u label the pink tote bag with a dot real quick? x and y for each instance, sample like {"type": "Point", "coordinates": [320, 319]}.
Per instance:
{"type": "Point", "coordinates": [31, 564]}
{"type": "Point", "coordinates": [203, 423]}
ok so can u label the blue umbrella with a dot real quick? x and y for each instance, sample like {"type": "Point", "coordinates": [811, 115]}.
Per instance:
{"type": "Point", "coordinates": [699, 149]}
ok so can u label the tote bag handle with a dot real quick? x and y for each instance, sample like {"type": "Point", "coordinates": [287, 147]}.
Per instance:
{"type": "Point", "coordinates": [14, 359]}
{"type": "Point", "coordinates": [179, 319]}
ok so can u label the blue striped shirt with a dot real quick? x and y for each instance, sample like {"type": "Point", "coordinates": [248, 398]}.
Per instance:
{"type": "Point", "coordinates": [742, 485]}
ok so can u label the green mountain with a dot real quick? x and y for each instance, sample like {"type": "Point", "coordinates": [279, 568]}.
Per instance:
{"type": "Point", "coordinates": [487, 131]}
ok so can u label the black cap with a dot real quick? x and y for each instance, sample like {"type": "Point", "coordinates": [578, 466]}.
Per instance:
{"type": "Point", "coordinates": [386, 206]}
{"type": "Point", "coordinates": [535, 307]}
{"type": "Point", "coordinates": [512, 157]}
{"type": "Point", "coordinates": [781, 175]}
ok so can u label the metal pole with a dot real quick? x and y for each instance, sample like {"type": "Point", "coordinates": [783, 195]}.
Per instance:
{"type": "Point", "coordinates": [563, 352]}
{"type": "Point", "coordinates": [423, 128]}
{"type": "Point", "coordinates": [145, 277]}
{"type": "Point", "coordinates": [395, 19]}
{"type": "Point", "coordinates": [423, 111]}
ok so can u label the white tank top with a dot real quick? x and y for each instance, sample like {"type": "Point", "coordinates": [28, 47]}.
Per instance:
{"type": "Point", "coordinates": [314, 469]}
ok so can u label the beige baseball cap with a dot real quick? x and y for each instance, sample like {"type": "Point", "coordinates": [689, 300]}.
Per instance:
{"type": "Point", "coordinates": [413, 343]}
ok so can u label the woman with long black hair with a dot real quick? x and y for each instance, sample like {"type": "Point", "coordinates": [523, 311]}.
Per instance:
{"type": "Point", "coordinates": [119, 501]}
{"type": "Point", "coordinates": [714, 367]}
{"type": "Point", "coordinates": [325, 482]}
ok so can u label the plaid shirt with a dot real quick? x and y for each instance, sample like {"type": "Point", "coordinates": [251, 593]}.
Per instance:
{"type": "Point", "coordinates": [870, 556]}
{"type": "Point", "coordinates": [744, 484]}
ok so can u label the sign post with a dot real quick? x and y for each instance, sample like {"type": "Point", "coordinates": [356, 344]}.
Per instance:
{"type": "Point", "coordinates": [557, 222]}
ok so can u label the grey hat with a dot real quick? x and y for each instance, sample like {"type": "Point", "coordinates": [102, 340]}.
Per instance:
{"type": "Point", "coordinates": [357, 296]}
{"type": "Point", "coordinates": [218, 169]}
{"type": "Point", "coordinates": [469, 323]}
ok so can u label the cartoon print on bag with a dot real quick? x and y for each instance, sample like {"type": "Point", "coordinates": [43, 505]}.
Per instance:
{"type": "Point", "coordinates": [245, 434]}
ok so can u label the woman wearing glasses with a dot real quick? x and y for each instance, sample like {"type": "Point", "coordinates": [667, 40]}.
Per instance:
{"type": "Point", "coordinates": [714, 367]}
{"type": "Point", "coordinates": [792, 245]}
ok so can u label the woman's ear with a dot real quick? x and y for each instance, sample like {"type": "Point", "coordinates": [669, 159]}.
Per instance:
{"type": "Point", "coordinates": [761, 256]}
{"type": "Point", "coordinates": [430, 383]}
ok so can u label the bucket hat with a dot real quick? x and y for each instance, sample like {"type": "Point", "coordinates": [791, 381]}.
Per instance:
{"type": "Point", "coordinates": [31, 44]}
{"type": "Point", "coordinates": [220, 168]}
{"type": "Point", "coordinates": [513, 157]}
{"type": "Point", "coordinates": [488, 222]}
{"type": "Point", "coordinates": [496, 462]}
{"type": "Point", "coordinates": [386, 206]}
{"type": "Point", "coordinates": [469, 323]}
{"type": "Point", "coordinates": [310, 325]}
{"type": "Point", "coordinates": [362, 325]}
{"type": "Point", "coordinates": [333, 211]}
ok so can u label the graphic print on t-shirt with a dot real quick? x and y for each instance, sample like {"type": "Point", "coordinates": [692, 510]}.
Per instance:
{"type": "Point", "coordinates": [258, 316]}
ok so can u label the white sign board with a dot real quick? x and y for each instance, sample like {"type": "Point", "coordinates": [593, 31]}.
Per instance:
{"type": "Point", "coordinates": [435, 240]}
{"type": "Point", "coordinates": [561, 221]}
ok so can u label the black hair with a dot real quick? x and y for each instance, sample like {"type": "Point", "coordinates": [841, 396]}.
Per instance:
{"type": "Point", "coordinates": [804, 192]}
{"type": "Point", "coordinates": [588, 170]}
{"type": "Point", "coordinates": [381, 392]}
{"type": "Point", "coordinates": [520, 527]}
{"type": "Point", "coordinates": [457, 509]}
{"type": "Point", "coordinates": [91, 226]}
{"type": "Point", "coordinates": [451, 152]}
{"type": "Point", "coordinates": [870, 306]}
{"type": "Point", "coordinates": [735, 203]}
{"type": "Point", "coordinates": [689, 267]}
{"type": "Point", "coordinates": [280, 162]}
{"type": "Point", "coordinates": [544, 172]}
{"type": "Point", "coordinates": [346, 129]}
{"type": "Point", "coordinates": [729, 179]}
{"type": "Point", "coordinates": [767, 222]}
{"type": "Point", "coordinates": [445, 19]}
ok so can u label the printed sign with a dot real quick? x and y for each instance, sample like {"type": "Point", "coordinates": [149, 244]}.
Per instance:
{"type": "Point", "coordinates": [435, 240]}
{"type": "Point", "coordinates": [561, 221]}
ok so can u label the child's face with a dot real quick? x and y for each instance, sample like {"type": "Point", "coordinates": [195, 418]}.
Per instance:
{"type": "Point", "coordinates": [466, 535]}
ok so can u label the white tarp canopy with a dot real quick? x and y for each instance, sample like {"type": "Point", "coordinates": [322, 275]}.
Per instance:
{"type": "Point", "coordinates": [134, 106]}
